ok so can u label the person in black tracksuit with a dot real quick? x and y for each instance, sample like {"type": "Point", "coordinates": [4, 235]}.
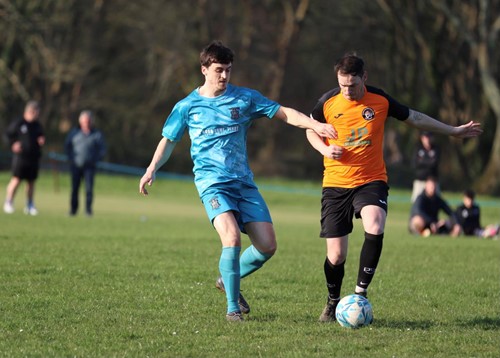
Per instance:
{"type": "Point", "coordinates": [25, 138]}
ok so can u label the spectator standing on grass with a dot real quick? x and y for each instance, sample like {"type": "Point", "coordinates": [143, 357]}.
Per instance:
{"type": "Point", "coordinates": [468, 215]}
{"type": "Point", "coordinates": [355, 178]}
{"type": "Point", "coordinates": [26, 139]}
{"type": "Point", "coordinates": [217, 116]}
{"type": "Point", "coordinates": [85, 147]}
{"type": "Point", "coordinates": [425, 162]}
{"type": "Point", "coordinates": [424, 215]}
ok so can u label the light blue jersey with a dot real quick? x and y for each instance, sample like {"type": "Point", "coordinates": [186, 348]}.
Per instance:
{"type": "Point", "coordinates": [218, 131]}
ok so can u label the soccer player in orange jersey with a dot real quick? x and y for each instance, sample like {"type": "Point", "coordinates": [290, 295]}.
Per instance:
{"type": "Point", "coordinates": [355, 178]}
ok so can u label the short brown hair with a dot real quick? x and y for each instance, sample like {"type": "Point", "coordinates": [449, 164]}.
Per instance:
{"type": "Point", "coordinates": [216, 52]}
{"type": "Point", "coordinates": [350, 64]}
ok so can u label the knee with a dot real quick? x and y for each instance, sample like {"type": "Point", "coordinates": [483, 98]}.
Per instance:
{"type": "Point", "coordinates": [270, 249]}
{"type": "Point", "coordinates": [337, 257]}
{"type": "Point", "coordinates": [229, 241]}
{"type": "Point", "coordinates": [417, 224]}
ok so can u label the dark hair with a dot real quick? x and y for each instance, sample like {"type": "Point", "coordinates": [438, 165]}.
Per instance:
{"type": "Point", "coordinates": [216, 52]}
{"type": "Point", "coordinates": [469, 193]}
{"type": "Point", "coordinates": [350, 64]}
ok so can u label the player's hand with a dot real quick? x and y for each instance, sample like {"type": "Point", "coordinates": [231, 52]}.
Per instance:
{"type": "Point", "coordinates": [325, 130]}
{"type": "Point", "coordinates": [148, 178]}
{"type": "Point", "coordinates": [333, 152]}
{"type": "Point", "coordinates": [16, 147]}
{"type": "Point", "coordinates": [471, 129]}
{"type": "Point", "coordinates": [434, 228]}
{"type": "Point", "coordinates": [455, 231]}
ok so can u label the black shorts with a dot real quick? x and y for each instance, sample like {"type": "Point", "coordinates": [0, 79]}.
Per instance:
{"type": "Point", "coordinates": [339, 205]}
{"type": "Point", "coordinates": [25, 169]}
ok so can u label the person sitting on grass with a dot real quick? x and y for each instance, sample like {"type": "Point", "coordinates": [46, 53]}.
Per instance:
{"type": "Point", "coordinates": [468, 215]}
{"type": "Point", "coordinates": [424, 215]}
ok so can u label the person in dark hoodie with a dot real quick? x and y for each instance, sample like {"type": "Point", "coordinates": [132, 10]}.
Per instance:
{"type": "Point", "coordinates": [85, 147]}
{"type": "Point", "coordinates": [424, 216]}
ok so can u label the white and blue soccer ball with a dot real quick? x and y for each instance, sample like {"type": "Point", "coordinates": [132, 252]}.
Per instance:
{"type": "Point", "coordinates": [354, 311]}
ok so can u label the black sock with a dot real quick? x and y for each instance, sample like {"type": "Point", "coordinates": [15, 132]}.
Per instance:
{"type": "Point", "coordinates": [368, 260]}
{"type": "Point", "coordinates": [334, 275]}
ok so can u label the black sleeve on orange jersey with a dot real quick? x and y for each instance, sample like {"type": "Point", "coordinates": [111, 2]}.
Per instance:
{"type": "Point", "coordinates": [396, 109]}
{"type": "Point", "coordinates": [317, 112]}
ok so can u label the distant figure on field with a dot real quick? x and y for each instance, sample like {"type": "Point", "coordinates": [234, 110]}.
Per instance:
{"type": "Point", "coordinates": [468, 215]}
{"type": "Point", "coordinates": [424, 216]}
{"type": "Point", "coordinates": [84, 146]}
{"type": "Point", "coordinates": [25, 137]}
{"type": "Point", "coordinates": [426, 163]}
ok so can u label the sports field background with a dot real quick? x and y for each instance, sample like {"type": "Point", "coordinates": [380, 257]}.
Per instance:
{"type": "Point", "coordinates": [137, 280]}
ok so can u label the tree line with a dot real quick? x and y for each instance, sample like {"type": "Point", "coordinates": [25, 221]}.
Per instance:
{"type": "Point", "coordinates": [131, 61]}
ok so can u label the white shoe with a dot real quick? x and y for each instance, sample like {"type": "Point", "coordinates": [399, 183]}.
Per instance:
{"type": "Point", "coordinates": [8, 208]}
{"type": "Point", "coordinates": [30, 210]}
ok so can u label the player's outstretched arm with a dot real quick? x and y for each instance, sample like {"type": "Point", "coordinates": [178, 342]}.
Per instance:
{"type": "Point", "coordinates": [160, 157]}
{"type": "Point", "coordinates": [298, 119]}
{"type": "Point", "coordinates": [318, 143]}
{"type": "Point", "coordinates": [425, 122]}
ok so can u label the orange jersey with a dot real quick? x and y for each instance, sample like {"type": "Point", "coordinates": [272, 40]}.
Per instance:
{"type": "Point", "coordinates": [360, 127]}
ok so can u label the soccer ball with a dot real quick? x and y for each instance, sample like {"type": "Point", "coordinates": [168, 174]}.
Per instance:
{"type": "Point", "coordinates": [354, 311]}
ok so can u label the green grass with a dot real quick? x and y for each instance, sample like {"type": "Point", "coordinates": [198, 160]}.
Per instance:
{"type": "Point", "coordinates": [137, 280]}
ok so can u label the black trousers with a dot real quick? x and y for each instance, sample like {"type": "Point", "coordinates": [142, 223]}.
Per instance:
{"type": "Point", "coordinates": [87, 172]}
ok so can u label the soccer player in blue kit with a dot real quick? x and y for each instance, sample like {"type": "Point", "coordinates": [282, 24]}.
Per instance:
{"type": "Point", "coordinates": [217, 116]}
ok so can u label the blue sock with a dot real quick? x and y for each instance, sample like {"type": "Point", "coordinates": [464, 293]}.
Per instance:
{"type": "Point", "coordinates": [229, 267]}
{"type": "Point", "coordinates": [251, 260]}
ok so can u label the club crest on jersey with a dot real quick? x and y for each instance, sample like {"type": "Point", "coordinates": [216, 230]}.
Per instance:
{"type": "Point", "coordinates": [215, 203]}
{"type": "Point", "coordinates": [235, 112]}
{"type": "Point", "coordinates": [368, 113]}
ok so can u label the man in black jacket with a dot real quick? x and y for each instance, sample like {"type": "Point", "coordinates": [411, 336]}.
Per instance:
{"type": "Point", "coordinates": [426, 163]}
{"type": "Point", "coordinates": [25, 137]}
{"type": "Point", "coordinates": [424, 216]}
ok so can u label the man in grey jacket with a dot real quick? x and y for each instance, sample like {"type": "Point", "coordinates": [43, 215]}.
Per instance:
{"type": "Point", "coordinates": [84, 146]}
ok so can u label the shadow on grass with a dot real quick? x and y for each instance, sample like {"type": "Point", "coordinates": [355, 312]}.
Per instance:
{"type": "Point", "coordinates": [403, 325]}
{"type": "Point", "coordinates": [484, 323]}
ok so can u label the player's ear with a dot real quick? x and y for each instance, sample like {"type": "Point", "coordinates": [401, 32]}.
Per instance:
{"type": "Point", "coordinates": [365, 76]}
{"type": "Point", "coordinates": [204, 70]}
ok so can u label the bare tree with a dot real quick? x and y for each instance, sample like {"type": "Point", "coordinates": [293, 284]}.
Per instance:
{"type": "Point", "coordinates": [451, 45]}
{"type": "Point", "coordinates": [477, 23]}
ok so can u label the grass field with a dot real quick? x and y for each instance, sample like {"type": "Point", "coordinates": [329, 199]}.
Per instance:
{"type": "Point", "coordinates": [137, 280]}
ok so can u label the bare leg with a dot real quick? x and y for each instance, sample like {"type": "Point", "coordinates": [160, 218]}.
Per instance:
{"type": "Point", "coordinates": [12, 189]}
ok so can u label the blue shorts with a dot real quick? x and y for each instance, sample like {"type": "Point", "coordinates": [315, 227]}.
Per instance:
{"type": "Point", "coordinates": [242, 199]}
